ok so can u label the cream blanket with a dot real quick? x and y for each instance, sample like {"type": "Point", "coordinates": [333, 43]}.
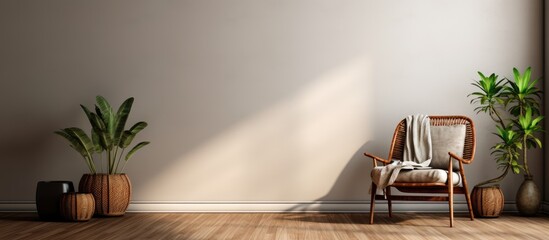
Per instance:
{"type": "Point", "coordinates": [417, 149]}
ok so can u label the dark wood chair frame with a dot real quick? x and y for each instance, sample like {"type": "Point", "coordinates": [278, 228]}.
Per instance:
{"type": "Point", "coordinates": [396, 152]}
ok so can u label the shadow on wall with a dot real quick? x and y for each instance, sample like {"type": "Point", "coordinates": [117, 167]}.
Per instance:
{"type": "Point", "coordinates": [353, 181]}
{"type": "Point", "coordinates": [296, 143]}
{"type": "Point", "coordinates": [31, 152]}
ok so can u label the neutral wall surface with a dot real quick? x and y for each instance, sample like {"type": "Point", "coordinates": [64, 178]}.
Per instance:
{"type": "Point", "coordinates": [250, 100]}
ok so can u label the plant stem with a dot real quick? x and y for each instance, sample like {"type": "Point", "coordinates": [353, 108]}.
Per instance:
{"type": "Point", "coordinates": [115, 155]}
{"type": "Point", "coordinates": [93, 166]}
{"type": "Point", "coordinates": [118, 162]}
{"type": "Point", "coordinates": [101, 161]}
{"type": "Point", "coordinates": [109, 155]}
{"type": "Point", "coordinates": [499, 119]}
{"type": "Point", "coordinates": [525, 157]}
{"type": "Point", "coordinates": [90, 164]}
{"type": "Point", "coordinates": [123, 166]}
{"type": "Point", "coordinates": [496, 179]}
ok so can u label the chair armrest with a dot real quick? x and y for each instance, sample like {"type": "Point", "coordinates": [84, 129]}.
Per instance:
{"type": "Point", "coordinates": [376, 158]}
{"type": "Point", "coordinates": [454, 156]}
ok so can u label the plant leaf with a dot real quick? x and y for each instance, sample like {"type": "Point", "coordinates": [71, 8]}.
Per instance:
{"type": "Point", "coordinates": [126, 139]}
{"type": "Point", "coordinates": [101, 131]}
{"type": "Point", "coordinates": [74, 143]}
{"type": "Point", "coordinates": [129, 135]}
{"type": "Point", "coordinates": [135, 148]}
{"type": "Point", "coordinates": [96, 142]}
{"type": "Point", "coordinates": [106, 113]}
{"type": "Point", "coordinates": [82, 139]}
{"type": "Point", "coordinates": [121, 118]}
{"type": "Point", "coordinates": [138, 127]}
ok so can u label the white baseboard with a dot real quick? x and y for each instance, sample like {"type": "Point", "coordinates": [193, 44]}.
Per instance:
{"type": "Point", "coordinates": [271, 206]}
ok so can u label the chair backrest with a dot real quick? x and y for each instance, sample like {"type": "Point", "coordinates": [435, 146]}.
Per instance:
{"type": "Point", "coordinates": [399, 137]}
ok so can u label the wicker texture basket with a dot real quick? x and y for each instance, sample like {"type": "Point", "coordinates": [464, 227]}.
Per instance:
{"type": "Point", "coordinates": [487, 201]}
{"type": "Point", "coordinates": [112, 192]}
{"type": "Point", "coordinates": [77, 206]}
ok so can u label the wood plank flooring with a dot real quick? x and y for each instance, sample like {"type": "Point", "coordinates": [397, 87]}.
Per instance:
{"type": "Point", "coordinates": [315, 226]}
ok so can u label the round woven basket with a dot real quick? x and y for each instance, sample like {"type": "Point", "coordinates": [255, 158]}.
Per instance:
{"type": "Point", "coordinates": [487, 201]}
{"type": "Point", "coordinates": [77, 206]}
{"type": "Point", "coordinates": [112, 192]}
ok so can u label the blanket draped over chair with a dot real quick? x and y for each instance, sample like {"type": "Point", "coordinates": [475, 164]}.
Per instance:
{"type": "Point", "coordinates": [418, 146]}
{"type": "Point", "coordinates": [417, 149]}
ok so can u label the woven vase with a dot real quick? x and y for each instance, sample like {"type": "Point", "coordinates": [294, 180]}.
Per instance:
{"type": "Point", "coordinates": [77, 206]}
{"type": "Point", "coordinates": [112, 192]}
{"type": "Point", "coordinates": [487, 201]}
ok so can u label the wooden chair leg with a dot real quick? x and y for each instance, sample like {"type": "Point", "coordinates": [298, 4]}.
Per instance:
{"type": "Point", "coordinates": [372, 202]}
{"type": "Point", "coordinates": [468, 198]}
{"type": "Point", "coordinates": [389, 203]}
{"type": "Point", "coordinates": [451, 204]}
{"type": "Point", "coordinates": [470, 206]}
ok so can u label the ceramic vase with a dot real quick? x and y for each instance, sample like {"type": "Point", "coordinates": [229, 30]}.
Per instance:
{"type": "Point", "coordinates": [48, 194]}
{"type": "Point", "coordinates": [528, 198]}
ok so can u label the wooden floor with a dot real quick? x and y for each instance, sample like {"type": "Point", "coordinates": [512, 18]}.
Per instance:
{"type": "Point", "coordinates": [316, 226]}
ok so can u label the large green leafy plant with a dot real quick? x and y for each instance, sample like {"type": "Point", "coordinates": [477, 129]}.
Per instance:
{"type": "Point", "coordinates": [514, 106]}
{"type": "Point", "coordinates": [108, 139]}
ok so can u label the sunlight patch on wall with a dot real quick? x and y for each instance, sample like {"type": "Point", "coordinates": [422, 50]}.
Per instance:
{"type": "Point", "coordinates": [293, 150]}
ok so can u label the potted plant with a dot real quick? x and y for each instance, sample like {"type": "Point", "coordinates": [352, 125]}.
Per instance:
{"type": "Point", "coordinates": [109, 140]}
{"type": "Point", "coordinates": [513, 105]}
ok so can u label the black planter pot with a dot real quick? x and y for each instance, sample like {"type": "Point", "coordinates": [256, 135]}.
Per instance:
{"type": "Point", "coordinates": [48, 195]}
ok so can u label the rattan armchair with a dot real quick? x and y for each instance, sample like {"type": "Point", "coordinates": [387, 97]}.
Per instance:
{"type": "Point", "coordinates": [445, 191]}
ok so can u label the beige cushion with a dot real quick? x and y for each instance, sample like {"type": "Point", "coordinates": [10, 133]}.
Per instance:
{"type": "Point", "coordinates": [420, 176]}
{"type": "Point", "coordinates": [447, 139]}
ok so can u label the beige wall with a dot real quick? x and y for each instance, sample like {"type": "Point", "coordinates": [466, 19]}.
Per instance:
{"type": "Point", "coordinates": [250, 100]}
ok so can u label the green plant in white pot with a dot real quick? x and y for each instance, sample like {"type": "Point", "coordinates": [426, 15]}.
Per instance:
{"type": "Point", "coordinates": [513, 105]}
{"type": "Point", "coordinates": [107, 144]}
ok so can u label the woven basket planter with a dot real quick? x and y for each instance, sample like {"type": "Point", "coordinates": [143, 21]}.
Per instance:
{"type": "Point", "coordinates": [487, 201]}
{"type": "Point", "coordinates": [77, 206]}
{"type": "Point", "coordinates": [112, 192]}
